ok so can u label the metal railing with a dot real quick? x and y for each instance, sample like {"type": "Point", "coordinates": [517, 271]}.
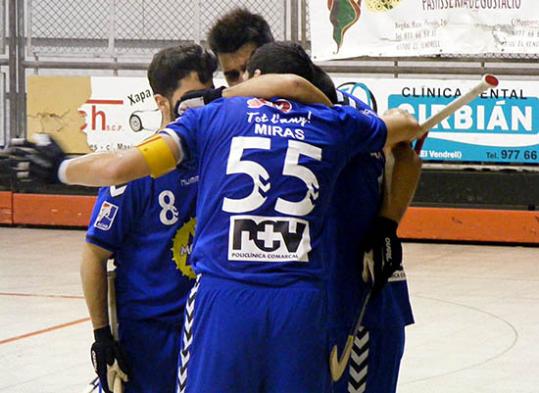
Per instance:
{"type": "Point", "coordinates": [3, 26]}
{"type": "Point", "coordinates": [129, 28]}
{"type": "Point", "coordinates": [3, 134]}
{"type": "Point", "coordinates": [109, 35]}
{"type": "Point", "coordinates": [4, 61]}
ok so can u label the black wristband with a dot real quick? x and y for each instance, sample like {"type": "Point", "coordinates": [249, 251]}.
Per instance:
{"type": "Point", "coordinates": [103, 334]}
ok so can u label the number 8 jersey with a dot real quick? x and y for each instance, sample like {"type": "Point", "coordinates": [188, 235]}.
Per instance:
{"type": "Point", "coordinates": [267, 172]}
{"type": "Point", "coordinates": [146, 226]}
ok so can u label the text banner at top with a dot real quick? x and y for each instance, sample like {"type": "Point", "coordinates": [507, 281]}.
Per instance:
{"type": "Point", "coordinates": [393, 28]}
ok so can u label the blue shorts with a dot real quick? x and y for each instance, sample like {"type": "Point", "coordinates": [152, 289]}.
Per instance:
{"type": "Point", "coordinates": [375, 361]}
{"type": "Point", "coordinates": [151, 349]}
{"type": "Point", "coordinates": [241, 338]}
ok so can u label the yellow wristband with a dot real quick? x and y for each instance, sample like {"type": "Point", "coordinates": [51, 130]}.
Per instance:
{"type": "Point", "coordinates": [157, 155]}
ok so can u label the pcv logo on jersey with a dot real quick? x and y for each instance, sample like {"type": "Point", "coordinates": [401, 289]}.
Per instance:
{"type": "Point", "coordinates": [268, 239]}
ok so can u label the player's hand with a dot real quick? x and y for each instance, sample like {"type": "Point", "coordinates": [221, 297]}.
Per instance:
{"type": "Point", "coordinates": [197, 98]}
{"type": "Point", "coordinates": [382, 253]}
{"type": "Point", "coordinates": [36, 162]}
{"type": "Point", "coordinates": [107, 359]}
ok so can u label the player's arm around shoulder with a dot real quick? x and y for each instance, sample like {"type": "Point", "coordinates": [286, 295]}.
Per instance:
{"type": "Point", "coordinates": [401, 127]}
{"type": "Point", "coordinates": [288, 86]}
{"type": "Point", "coordinates": [44, 160]}
{"type": "Point", "coordinates": [155, 156]}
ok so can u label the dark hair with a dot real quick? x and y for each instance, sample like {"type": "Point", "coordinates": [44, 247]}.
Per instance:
{"type": "Point", "coordinates": [237, 28]}
{"type": "Point", "coordinates": [169, 65]}
{"type": "Point", "coordinates": [281, 58]}
{"type": "Point", "coordinates": [322, 80]}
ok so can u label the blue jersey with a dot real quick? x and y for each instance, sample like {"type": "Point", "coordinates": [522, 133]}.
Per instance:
{"type": "Point", "coordinates": [267, 172]}
{"type": "Point", "coordinates": [148, 224]}
{"type": "Point", "coordinates": [357, 202]}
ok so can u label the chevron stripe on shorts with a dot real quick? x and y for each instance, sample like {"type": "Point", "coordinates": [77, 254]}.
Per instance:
{"type": "Point", "coordinates": [187, 337]}
{"type": "Point", "coordinates": [359, 362]}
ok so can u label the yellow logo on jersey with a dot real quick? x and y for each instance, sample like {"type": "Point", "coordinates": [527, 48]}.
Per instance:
{"type": "Point", "coordinates": [182, 245]}
{"type": "Point", "coordinates": [382, 5]}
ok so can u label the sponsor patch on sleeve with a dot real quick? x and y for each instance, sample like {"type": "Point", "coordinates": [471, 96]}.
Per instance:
{"type": "Point", "coordinates": [106, 216]}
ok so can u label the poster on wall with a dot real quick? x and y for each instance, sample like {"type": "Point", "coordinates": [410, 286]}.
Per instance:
{"type": "Point", "coordinates": [500, 126]}
{"type": "Point", "coordinates": [92, 113]}
{"type": "Point", "coordinates": [352, 28]}
{"type": "Point", "coordinates": [120, 113]}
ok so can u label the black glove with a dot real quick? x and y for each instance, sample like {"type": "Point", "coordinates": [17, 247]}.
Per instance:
{"type": "Point", "coordinates": [197, 98]}
{"type": "Point", "coordinates": [382, 253]}
{"type": "Point", "coordinates": [107, 358]}
{"type": "Point", "coordinates": [36, 162]}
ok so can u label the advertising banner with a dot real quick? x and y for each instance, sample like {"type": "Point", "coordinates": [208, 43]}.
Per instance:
{"type": "Point", "coordinates": [92, 113]}
{"type": "Point", "coordinates": [500, 126]}
{"type": "Point", "coordinates": [120, 113]}
{"type": "Point", "coordinates": [392, 28]}
{"type": "Point", "coordinates": [108, 113]}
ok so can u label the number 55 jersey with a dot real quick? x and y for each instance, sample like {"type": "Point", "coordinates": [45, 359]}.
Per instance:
{"type": "Point", "coordinates": [267, 171]}
{"type": "Point", "coordinates": [259, 309]}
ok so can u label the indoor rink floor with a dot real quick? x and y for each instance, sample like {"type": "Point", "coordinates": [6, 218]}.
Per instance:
{"type": "Point", "coordinates": [476, 310]}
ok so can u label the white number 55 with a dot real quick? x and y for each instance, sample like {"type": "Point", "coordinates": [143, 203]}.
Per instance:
{"type": "Point", "coordinates": [260, 176]}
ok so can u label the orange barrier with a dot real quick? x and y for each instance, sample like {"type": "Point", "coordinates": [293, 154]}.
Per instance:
{"type": "Point", "coordinates": [61, 210]}
{"type": "Point", "coordinates": [478, 225]}
{"type": "Point", "coordinates": [6, 207]}
{"type": "Point", "coordinates": [419, 223]}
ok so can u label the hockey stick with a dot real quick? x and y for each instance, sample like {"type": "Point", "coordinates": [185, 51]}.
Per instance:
{"type": "Point", "coordinates": [487, 81]}
{"type": "Point", "coordinates": [113, 318]}
{"type": "Point", "coordinates": [338, 365]}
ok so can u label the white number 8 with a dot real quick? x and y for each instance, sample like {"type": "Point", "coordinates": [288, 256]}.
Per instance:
{"type": "Point", "coordinates": [169, 213]}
